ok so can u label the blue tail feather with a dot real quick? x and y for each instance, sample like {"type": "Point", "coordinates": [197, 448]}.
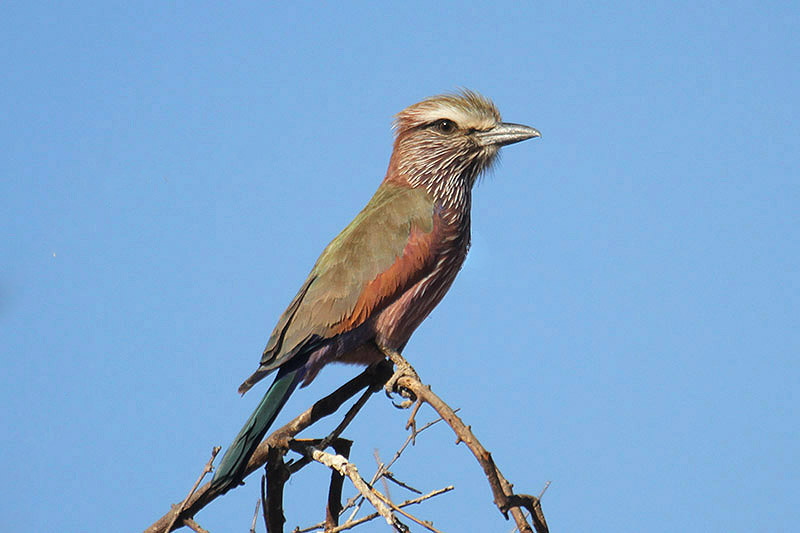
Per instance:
{"type": "Point", "coordinates": [231, 469]}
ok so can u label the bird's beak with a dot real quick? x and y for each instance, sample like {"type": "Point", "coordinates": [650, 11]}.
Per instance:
{"type": "Point", "coordinates": [506, 133]}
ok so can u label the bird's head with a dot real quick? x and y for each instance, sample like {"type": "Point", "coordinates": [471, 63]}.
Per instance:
{"type": "Point", "coordinates": [445, 142]}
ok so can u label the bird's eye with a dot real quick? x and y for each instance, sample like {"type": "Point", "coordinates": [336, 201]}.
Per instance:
{"type": "Point", "coordinates": [446, 126]}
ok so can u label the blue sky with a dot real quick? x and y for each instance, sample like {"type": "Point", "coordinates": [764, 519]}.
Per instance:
{"type": "Point", "coordinates": [626, 325]}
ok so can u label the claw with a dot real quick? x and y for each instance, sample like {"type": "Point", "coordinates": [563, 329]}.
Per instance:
{"type": "Point", "coordinates": [405, 404]}
{"type": "Point", "coordinates": [403, 370]}
{"type": "Point", "coordinates": [392, 386]}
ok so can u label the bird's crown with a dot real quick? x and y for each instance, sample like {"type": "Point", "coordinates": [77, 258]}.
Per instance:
{"type": "Point", "coordinates": [468, 109]}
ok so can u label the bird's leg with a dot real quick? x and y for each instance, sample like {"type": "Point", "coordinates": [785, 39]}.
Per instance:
{"type": "Point", "coordinates": [403, 369]}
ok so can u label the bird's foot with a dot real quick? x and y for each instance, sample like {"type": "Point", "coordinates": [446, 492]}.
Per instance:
{"type": "Point", "coordinates": [403, 370]}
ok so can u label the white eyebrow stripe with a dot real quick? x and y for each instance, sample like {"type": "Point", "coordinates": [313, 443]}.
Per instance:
{"type": "Point", "coordinates": [462, 117]}
{"type": "Point", "coordinates": [467, 108]}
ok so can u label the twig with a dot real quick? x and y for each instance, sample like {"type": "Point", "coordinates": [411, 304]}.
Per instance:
{"type": "Point", "coordinates": [412, 419]}
{"type": "Point", "coordinates": [255, 517]}
{"type": "Point", "coordinates": [346, 468]}
{"type": "Point", "coordinates": [264, 511]}
{"type": "Point", "coordinates": [407, 383]}
{"type": "Point", "coordinates": [333, 435]}
{"type": "Point", "coordinates": [352, 523]}
{"type": "Point", "coordinates": [390, 476]}
{"type": "Point", "coordinates": [539, 507]}
{"type": "Point", "coordinates": [410, 439]}
{"type": "Point", "coordinates": [356, 501]}
{"type": "Point", "coordinates": [374, 375]}
{"type": "Point", "coordinates": [194, 526]}
{"type": "Point", "coordinates": [424, 524]}
{"type": "Point", "coordinates": [383, 477]}
{"type": "Point", "coordinates": [176, 510]}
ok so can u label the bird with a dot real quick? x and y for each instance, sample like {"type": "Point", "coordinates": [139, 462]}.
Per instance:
{"type": "Point", "coordinates": [385, 272]}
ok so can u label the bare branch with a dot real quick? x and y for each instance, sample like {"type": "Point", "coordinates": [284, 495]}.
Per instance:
{"type": "Point", "coordinates": [264, 511]}
{"type": "Point", "coordinates": [423, 523]}
{"type": "Point", "coordinates": [277, 474]}
{"type": "Point", "coordinates": [375, 375]}
{"type": "Point", "coordinates": [353, 523]}
{"type": "Point", "coordinates": [404, 382]}
{"type": "Point", "coordinates": [390, 476]}
{"type": "Point", "coordinates": [176, 510]}
{"type": "Point", "coordinates": [334, 507]}
{"type": "Point", "coordinates": [333, 435]}
{"type": "Point", "coordinates": [356, 501]}
{"type": "Point", "coordinates": [194, 526]}
{"type": "Point", "coordinates": [346, 468]}
{"type": "Point", "coordinates": [407, 383]}
{"type": "Point", "coordinates": [383, 477]}
{"type": "Point", "coordinates": [255, 516]}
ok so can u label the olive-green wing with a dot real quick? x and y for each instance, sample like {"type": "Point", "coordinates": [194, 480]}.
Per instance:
{"type": "Point", "coordinates": [385, 250]}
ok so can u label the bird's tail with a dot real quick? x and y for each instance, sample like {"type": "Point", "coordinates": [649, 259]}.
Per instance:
{"type": "Point", "coordinates": [231, 468]}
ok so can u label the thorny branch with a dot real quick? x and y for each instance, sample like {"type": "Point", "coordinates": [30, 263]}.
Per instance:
{"type": "Point", "coordinates": [176, 510]}
{"type": "Point", "coordinates": [349, 525]}
{"type": "Point", "coordinates": [407, 383]}
{"type": "Point", "coordinates": [384, 468]}
{"type": "Point", "coordinates": [346, 468]}
{"type": "Point", "coordinates": [372, 378]}
{"type": "Point", "coordinates": [404, 382]}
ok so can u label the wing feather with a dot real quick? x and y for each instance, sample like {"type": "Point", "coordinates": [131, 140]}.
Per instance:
{"type": "Point", "coordinates": [384, 251]}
